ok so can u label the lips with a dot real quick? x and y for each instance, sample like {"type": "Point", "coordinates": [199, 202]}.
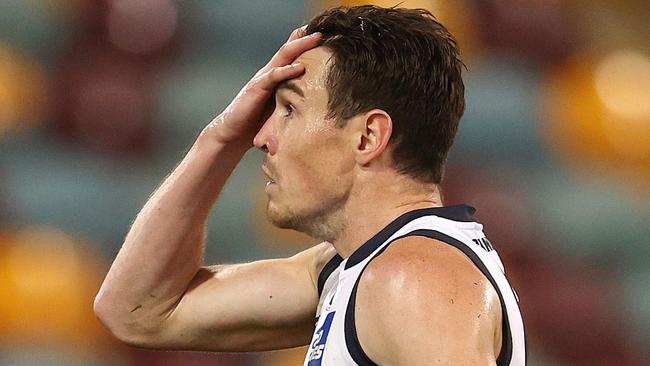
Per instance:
{"type": "Point", "coordinates": [268, 174]}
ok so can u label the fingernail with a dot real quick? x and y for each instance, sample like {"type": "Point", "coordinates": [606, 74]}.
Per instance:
{"type": "Point", "coordinates": [315, 34]}
{"type": "Point", "coordinates": [295, 64]}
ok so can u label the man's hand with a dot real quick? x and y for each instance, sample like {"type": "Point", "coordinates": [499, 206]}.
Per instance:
{"type": "Point", "coordinates": [246, 114]}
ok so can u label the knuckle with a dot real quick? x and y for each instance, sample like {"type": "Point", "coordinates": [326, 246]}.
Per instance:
{"type": "Point", "coordinates": [273, 74]}
{"type": "Point", "coordinates": [298, 32]}
{"type": "Point", "coordinates": [259, 81]}
{"type": "Point", "coordinates": [284, 48]}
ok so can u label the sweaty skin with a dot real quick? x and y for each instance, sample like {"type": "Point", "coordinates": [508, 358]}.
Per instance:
{"type": "Point", "coordinates": [306, 196]}
{"type": "Point", "coordinates": [334, 183]}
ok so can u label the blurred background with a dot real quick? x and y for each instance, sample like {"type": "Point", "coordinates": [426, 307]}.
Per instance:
{"type": "Point", "coordinates": [99, 99]}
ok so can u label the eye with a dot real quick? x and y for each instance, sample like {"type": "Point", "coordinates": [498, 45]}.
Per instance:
{"type": "Point", "coordinates": [289, 109]}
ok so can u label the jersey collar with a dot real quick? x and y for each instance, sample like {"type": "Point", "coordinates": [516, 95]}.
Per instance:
{"type": "Point", "coordinates": [462, 213]}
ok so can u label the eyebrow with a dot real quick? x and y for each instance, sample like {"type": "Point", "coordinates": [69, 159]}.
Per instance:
{"type": "Point", "coordinates": [292, 86]}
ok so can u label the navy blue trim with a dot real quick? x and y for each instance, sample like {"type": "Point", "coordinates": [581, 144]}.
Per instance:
{"type": "Point", "coordinates": [461, 213]}
{"type": "Point", "coordinates": [350, 329]}
{"type": "Point", "coordinates": [506, 344]}
{"type": "Point", "coordinates": [327, 270]}
{"type": "Point", "coordinates": [352, 339]}
{"type": "Point", "coordinates": [349, 326]}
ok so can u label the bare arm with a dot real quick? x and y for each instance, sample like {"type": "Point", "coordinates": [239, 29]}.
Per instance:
{"type": "Point", "coordinates": [437, 308]}
{"type": "Point", "coordinates": [164, 248]}
{"type": "Point", "coordinates": [156, 293]}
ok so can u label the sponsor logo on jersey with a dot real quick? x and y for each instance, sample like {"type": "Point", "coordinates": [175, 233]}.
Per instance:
{"type": "Point", "coordinates": [317, 347]}
{"type": "Point", "coordinates": [484, 243]}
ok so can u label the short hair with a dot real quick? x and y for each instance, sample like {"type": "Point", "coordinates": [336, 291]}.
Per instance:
{"type": "Point", "coordinates": [404, 62]}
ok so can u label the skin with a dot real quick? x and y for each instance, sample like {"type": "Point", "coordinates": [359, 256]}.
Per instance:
{"type": "Point", "coordinates": [442, 310]}
{"type": "Point", "coordinates": [296, 136]}
{"type": "Point", "coordinates": [324, 180]}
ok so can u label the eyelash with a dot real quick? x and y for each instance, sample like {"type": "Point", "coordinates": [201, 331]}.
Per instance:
{"type": "Point", "coordinates": [290, 110]}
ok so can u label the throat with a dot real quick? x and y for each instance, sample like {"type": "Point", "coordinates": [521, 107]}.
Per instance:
{"type": "Point", "coordinates": [362, 227]}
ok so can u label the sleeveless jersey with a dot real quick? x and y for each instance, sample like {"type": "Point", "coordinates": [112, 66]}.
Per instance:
{"type": "Point", "coordinates": [335, 341]}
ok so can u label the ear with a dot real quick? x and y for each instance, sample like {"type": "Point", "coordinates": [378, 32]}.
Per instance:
{"type": "Point", "coordinates": [374, 129]}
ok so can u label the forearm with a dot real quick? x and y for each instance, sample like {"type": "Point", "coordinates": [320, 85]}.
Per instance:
{"type": "Point", "coordinates": [164, 248]}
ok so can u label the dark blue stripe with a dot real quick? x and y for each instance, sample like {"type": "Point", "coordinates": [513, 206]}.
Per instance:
{"type": "Point", "coordinates": [506, 344]}
{"type": "Point", "coordinates": [352, 339]}
{"type": "Point", "coordinates": [350, 329]}
{"type": "Point", "coordinates": [461, 213]}
{"type": "Point", "coordinates": [326, 272]}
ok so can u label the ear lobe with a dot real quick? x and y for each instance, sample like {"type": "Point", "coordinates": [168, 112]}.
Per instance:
{"type": "Point", "coordinates": [376, 127]}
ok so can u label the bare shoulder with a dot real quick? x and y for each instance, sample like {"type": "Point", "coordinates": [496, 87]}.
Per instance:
{"type": "Point", "coordinates": [427, 290]}
{"type": "Point", "coordinates": [418, 259]}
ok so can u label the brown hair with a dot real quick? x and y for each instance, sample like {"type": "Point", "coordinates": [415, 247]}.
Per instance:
{"type": "Point", "coordinates": [404, 62]}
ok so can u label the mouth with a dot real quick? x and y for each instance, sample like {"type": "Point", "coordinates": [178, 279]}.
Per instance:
{"type": "Point", "coordinates": [270, 179]}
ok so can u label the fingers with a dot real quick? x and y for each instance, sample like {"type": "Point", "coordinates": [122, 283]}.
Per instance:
{"type": "Point", "coordinates": [297, 43]}
{"type": "Point", "coordinates": [297, 33]}
{"type": "Point", "coordinates": [270, 80]}
{"type": "Point", "coordinates": [292, 49]}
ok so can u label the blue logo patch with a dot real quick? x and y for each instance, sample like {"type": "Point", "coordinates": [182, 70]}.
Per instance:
{"type": "Point", "coordinates": [317, 347]}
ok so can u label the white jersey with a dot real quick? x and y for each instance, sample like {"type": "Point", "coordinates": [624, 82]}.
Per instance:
{"type": "Point", "coordinates": [335, 341]}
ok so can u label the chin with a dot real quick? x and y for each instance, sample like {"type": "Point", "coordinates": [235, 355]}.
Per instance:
{"type": "Point", "coordinates": [282, 219]}
{"type": "Point", "coordinates": [280, 222]}
{"type": "Point", "coordinates": [318, 224]}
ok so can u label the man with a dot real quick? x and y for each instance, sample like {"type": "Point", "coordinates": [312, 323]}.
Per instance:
{"type": "Point", "coordinates": [356, 114]}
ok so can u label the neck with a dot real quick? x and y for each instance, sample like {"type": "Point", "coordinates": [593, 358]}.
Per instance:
{"type": "Point", "coordinates": [373, 206]}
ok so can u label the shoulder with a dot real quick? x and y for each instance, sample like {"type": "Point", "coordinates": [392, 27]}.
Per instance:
{"type": "Point", "coordinates": [415, 259]}
{"type": "Point", "coordinates": [427, 289]}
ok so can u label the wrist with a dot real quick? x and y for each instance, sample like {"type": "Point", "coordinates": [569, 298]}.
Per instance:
{"type": "Point", "coordinates": [213, 138]}
{"type": "Point", "coordinates": [210, 145]}
{"type": "Point", "coordinates": [218, 149]}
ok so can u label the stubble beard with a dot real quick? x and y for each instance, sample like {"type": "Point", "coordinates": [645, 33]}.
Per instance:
{"type": "Point", "coordinates": [325, 223]}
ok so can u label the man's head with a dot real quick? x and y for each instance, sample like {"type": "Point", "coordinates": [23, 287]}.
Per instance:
{"type": "Point", "coordinates": [401, 61]}
{"type": "Point", "coordinates": [383, 90]}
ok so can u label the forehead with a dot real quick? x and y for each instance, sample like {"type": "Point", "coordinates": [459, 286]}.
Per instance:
{"type": "Point", "coordinates": [316, 62]}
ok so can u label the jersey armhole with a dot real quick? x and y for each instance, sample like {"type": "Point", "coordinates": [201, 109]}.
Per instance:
{"type": "Point", "coordinates": [351, 338]}
{"type": "Point", "coordinates": [505, 355]}
{"type": "Point", "coordinates": [327, 271]}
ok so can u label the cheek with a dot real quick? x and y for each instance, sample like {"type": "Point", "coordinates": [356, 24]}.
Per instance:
{"type": "Point", "coordinates": [321, 172]}
{"type": "Point", "coordinates": [306, 173]}
{"type": "Point", "coordinates": [313, 157]}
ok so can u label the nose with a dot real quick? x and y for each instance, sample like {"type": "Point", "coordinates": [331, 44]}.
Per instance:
{"type": "Point", "coordinates": [265, 139]}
